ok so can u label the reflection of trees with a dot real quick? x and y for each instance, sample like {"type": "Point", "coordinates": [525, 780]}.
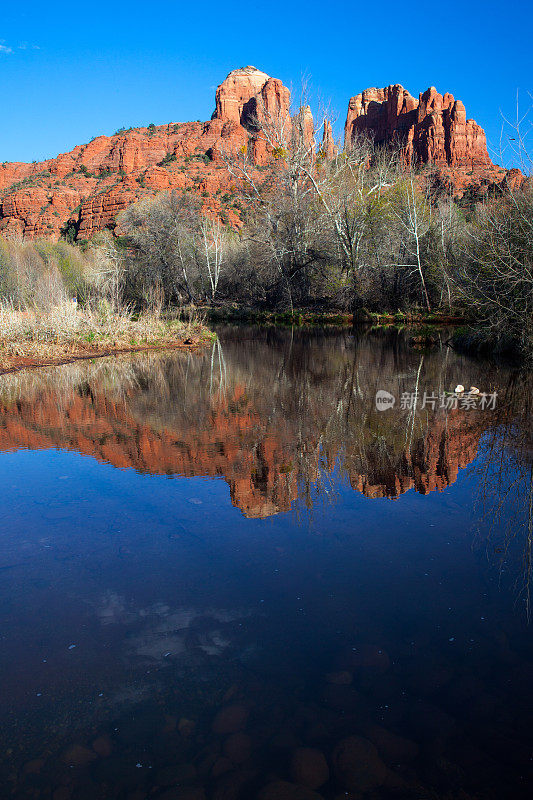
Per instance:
{"type": "Point", "coordinates": [280, 415]}
{"type": "Point", "coordinates": [506, 483]}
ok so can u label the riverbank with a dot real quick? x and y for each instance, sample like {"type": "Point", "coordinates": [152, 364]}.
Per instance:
{"type": "Point", "coordinates": [485, 343]}
{"type": "Point", "coordinates": [30, 339]}
{"type": "Point", "coordinates": [305, 316]}
{"type": "Point", "coordinates": [453, 328]}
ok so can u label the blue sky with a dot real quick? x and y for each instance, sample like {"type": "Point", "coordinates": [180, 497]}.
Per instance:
{"type": "Point", "coordinates": [71, 72]}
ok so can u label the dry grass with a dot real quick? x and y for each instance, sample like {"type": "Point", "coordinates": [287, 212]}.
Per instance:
{"type": "Point", "coordinates": [65, 332]}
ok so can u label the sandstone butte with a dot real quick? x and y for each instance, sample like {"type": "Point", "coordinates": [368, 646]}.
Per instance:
{"type": "Point", "coordinates": [82, 191]}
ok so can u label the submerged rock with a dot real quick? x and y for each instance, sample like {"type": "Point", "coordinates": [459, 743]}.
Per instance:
{"type": "Point", "coordinates": [221, 767]}
{"type": "Point", "coordinates": [309, 767]}
{"type": "Point", "coordinates": [431, 725]}
{"type": "Point", "coordinates": [230, 719]}
{"type": "Point", "coordinates": [392, 748]}
{"type": "Point", "coordinates": [184, 793]}
{"type": "Point", "coordinates": [341, 678]}
{"type": "Point", "coordinates": [357, 765]}
{"type": "Point", "coordinates": [283, 790]}
{"type": "Point", "coordinates": [176, 774]}
{"type": "Point", "coordinates": [34, 767]}
{"type": "Point", "coordinates": [234, 785]}
{"type": "Point", "coordinates": [238, 747]}
{"type": "Point", "coordinates": [345, 699]}
{"type": "Point", "coordinates": [103, 746]}
{"type": "Point", "coordinates": [285, 739]}
{"type": "Point", "coordinates": [61, 793]}
{"type": "Point", "coordinates": [78, 756]}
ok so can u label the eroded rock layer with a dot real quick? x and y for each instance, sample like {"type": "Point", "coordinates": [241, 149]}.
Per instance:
{"type": "Point", "coordinates": [86, 188]}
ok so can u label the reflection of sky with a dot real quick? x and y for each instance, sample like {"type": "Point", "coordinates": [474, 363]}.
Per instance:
{"type": "Point", "coordinates": [56, 500]}
{"type": "Point", "coordinates": [174, 569]}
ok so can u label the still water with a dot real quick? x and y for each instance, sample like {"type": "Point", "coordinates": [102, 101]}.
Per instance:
{"type": "Point", "coordinates": [228, 576]}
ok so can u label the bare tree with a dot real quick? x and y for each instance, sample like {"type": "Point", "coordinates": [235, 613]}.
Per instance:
{"type": "Point", "coordinates": [161, 231]}
{"type": "Point", "coordinates": [496, 274]}
{"type": "Point", "coordinates": [495, 271]}
{"type": "Point", "coordinates": [413, 212]}
{"type": "Point", "coordinates": [212, 247]}
{"type": "Point", "coordinates": [109, 266]}
{"type": "Point", "coordinates": [515, 139]}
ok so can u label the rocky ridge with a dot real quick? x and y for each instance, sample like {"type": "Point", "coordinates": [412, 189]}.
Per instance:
{"type": "Point", "coordinates": [81, 192]}
{"type": "Point", "coordinates": [431, 130]}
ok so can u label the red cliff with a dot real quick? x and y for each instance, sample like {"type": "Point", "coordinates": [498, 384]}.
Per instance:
{"type": "Point", "coordinates": [431, 130]}
{"type": "Point", "coordinates": [80, 192]}
{"type": "Point", "coordinates": [85, 188]}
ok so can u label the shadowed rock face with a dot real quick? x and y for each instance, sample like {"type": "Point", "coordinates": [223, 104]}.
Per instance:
{"type": "Point", "coordinates": [83, 190]}
{"type": "Point", "coordinates": [267, 425]}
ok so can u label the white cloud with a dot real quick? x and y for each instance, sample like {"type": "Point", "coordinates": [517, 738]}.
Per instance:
{"type": "Point", "coordinates": [7, 50]}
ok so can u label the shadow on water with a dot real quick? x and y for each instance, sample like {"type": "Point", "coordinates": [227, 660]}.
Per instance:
{"type": "Point", "coordinates": [326, 600]}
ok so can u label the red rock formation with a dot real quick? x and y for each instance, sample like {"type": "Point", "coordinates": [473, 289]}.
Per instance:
{"type": "Point", "coordinates": [248, 94]}
{"type": "Point", "coordinates": [306, 127]}
{"type": "Point", "coordinates": [248, 99]}
{"type": "Point", "coordinates": [85, 188]}
{"type": "Point", "coordinates": [431, 130]}
{"type": "Point", "coordinates": [328, 147]}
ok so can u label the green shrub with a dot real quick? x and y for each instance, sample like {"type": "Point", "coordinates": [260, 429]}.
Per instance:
{"type": "Point", "coordinates": [168, 159]}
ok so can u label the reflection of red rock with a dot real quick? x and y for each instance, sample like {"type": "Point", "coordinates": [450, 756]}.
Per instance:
{"type": "Point", "coordinates": [271, 485]}
{"type": "Point", "coordinates": [434, 462]}
{"type": "Point", "coordinates": [232, 444]}
{"type": "Point", "coordinates": [261, 460]}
